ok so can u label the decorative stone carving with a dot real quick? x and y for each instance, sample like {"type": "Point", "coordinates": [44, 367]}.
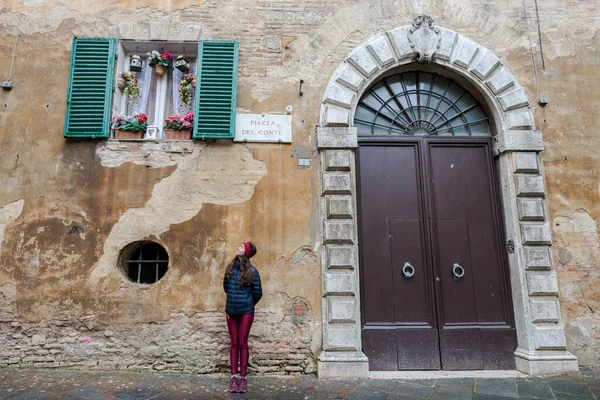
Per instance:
{"type": "Point", "coordinates": [424, 38]}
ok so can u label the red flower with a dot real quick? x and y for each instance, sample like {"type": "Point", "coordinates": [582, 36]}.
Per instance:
{"type": "Point", "coordinates": [142, 118]}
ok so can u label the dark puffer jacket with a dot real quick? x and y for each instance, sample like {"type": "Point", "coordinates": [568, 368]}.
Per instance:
{"type": "Point", "coordinates": [241, 299]}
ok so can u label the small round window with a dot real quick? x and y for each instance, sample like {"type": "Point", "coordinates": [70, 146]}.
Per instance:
{"type": "Point", "coordinates": [144, 262]}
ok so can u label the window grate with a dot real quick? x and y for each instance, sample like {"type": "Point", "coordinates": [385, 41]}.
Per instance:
{"type": "Point", "coordinates": [418, 103]}
{"type": "Point", "coordinates": [146, 263]}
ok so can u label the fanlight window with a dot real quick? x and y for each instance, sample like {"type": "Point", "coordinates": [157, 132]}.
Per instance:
{"type": "Point", "coordinates": [417, 103]}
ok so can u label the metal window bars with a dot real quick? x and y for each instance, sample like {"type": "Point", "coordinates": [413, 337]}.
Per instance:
{"type": "Point", "coordinates": [143, 269]}
{"type": "Point", "coordinates": [418, 103]}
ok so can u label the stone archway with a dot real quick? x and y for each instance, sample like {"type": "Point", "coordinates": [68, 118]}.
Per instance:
{"type": "Point", "coordinates": [541, 340]}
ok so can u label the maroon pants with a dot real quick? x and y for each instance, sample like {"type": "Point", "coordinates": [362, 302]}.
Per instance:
{"type": "Point", "coordinates": [239, 329]}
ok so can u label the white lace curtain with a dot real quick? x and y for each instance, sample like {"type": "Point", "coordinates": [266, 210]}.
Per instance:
{"type": "Point", "coordinates": [144, 78]}
{"type": "Point", "coordinates": [177, 76]}
{"type": "Point", "coordinates": [147, 83]}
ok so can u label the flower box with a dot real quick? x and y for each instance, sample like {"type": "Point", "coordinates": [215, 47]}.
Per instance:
{"type": "Point", "coordinates": [119, 134]}
{"type": "Point", "coordinates": [175, 134]}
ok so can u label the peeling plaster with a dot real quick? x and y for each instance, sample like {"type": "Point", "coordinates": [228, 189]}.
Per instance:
{"type": "Point", "coordinates": [219, 174]}
{"type": "Point", "coordinates": [152, 154]}
{"type": "Point", "coordinates": [578, 241]}
{"type": "Point", "coordinates": [9, 213]}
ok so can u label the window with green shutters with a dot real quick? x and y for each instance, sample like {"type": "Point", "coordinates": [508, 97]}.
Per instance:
{"type": "Point", "coordinates": [93, 99]}
{"type": "Point", "coordinates": [90, 88]}
{"type": "Point", "coordinates": [216, 89]}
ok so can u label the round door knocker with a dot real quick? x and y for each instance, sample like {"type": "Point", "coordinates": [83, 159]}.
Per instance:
{"type": "Point", "coordinates": [458, 272]}
{"type": "Point", "coordinates": [408, 270]}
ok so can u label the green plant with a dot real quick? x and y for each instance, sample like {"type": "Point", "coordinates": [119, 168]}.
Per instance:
{"type": "Point", "coordinates": [179, 123]}
{"type": "Point", "coordinates": [132, 90]}
{"type": "Point", "coordinates": [157, 58]}
{"type": "Point", "coordinates": [138, 122]}
{"type": "Point", "coordinates": [185, 95]}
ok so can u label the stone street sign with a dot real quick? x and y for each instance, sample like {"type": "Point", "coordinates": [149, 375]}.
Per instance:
{"type": "Point", "coordinates": [263, 128]}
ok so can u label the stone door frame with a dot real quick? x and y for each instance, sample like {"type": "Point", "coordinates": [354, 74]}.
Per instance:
{"type": "Point", "coordinates": [540, 332]}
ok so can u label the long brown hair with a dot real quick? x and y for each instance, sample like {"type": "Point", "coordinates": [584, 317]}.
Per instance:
{"type": "Point", "coordinates": [246, 276]}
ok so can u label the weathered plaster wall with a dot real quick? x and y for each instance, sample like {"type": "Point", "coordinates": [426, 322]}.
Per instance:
{"type": "Point", "coordinates": [62, 299]}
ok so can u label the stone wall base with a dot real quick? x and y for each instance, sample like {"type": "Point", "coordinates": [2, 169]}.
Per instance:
{"type": "Point", "coordinates": [546, 362]}
{"type": "Point", "coordinates": [337, 364]}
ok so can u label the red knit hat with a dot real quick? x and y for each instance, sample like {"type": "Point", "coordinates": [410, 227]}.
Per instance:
{"type": "Point", "coordinates": [249, 249]}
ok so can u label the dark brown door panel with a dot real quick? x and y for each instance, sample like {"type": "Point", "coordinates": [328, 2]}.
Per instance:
{"type": "Point", "coordinates": [434, 283]}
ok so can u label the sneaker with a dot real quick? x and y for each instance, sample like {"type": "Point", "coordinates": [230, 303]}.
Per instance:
{"type": "Point", "coordinates": [243, 388]}
{"type": "Point", "coordinates": [233, 385]}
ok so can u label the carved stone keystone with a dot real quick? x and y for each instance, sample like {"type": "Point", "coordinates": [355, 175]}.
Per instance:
{"type": "Point", "coordinates": [424, 38]}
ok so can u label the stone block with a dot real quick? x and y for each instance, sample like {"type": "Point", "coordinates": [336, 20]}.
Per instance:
{"type": "Point", "coordinates": [382, 51]}
{"type": "Point", "coordinates": [464, 52]}
{"type": "Point", "coordinates": [399, 39]}
{"type": "Point", "coordinates": [340, 257]}
{"type": "Point", "coordinates": [513, 99]}
{"type": "Point", "coordinates": [338, 160]}
{"type": "Point", "coordinates": [341, 309]}
{"type": "Point", "coordinates": [337, 183]}
{"type": "Point", "coordinates": [544, 310]}
{"type": "Point", "coordinates": [159, 30]}
{"type": "Point", "coordinates": [336, 116]}
{"type": "Point", "coordinates": [485, 63]}
{"type": "Point", "coordinates": [337, 138]}
{"type": "Point", "coordinates": [346, 365]}
{"type": "Point", "coordinates": [347, 76]}
{"type": "Point", "coordinates": [141, 31]}
{"type": "Point", "coordinates": [531, 210]}
{"type": "Point", "coordinates": [446, 44]}
{"type": "Point", "coordinates": [338, 232]}
{"type": "Point", "coordinates": [271, 42]}
{"type": "Point", "coordinates": [519, 120]}
{"type": "Point", "coordinates": [339, 95]}
{"type": "Point", "coordinates": [340, 337]}
{"type": "Point", "coordinates": [362, 60]}
{"type": "Point", "coordinates": [126, 30]}
{"type": "Point", "coordinates": [549, 337]}
{"type": "Point", "coordinates": [38, 339]}
{"type": "Point", "coordinates": [526, 162]}
{"type": "Point", "coordinates": [500, 80]}
{"type": "Point", "coordinates": [546, 363]}
{"type": "Point", "coordinates": [341, 283]}
{"type": "Point", "coordinates": [519, 140]}
{"type": "Point", "coordinates": [530, 186]}
{"type": "Point", "coordinates": [537, 258]}
{"type": "Point", "coordinates": [536, 234]}
{"type": "Point", "coordinates": [339, 207]}
{"type": "Point", "coordinates": [542, 284]}
{"type": "Point", "coordinates": [192, 32]}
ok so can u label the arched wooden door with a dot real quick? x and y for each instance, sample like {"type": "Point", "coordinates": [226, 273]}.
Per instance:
{"type": "Point", "coordinates": [434, 285]}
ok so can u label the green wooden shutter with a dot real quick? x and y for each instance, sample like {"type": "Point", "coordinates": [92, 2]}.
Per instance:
{"type": "Point", "coordinates": [216, 89]}
{"type": "Point", "coordinates": [90, 88]}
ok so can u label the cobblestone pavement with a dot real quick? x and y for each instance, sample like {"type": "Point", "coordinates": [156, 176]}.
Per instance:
{"type": "Point", "coordinates": [31, 384]}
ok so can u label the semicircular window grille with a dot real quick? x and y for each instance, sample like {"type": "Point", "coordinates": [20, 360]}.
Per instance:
{"type": "Point", "coordinates": [419, 103]}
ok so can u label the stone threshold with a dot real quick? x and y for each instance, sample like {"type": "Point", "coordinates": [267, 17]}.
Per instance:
{"type": "Point", "coordinates": [499, 374]}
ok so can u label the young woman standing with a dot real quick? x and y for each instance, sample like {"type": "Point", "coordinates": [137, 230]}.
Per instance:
{"type": "Point", "coordinates": [243, 287]}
